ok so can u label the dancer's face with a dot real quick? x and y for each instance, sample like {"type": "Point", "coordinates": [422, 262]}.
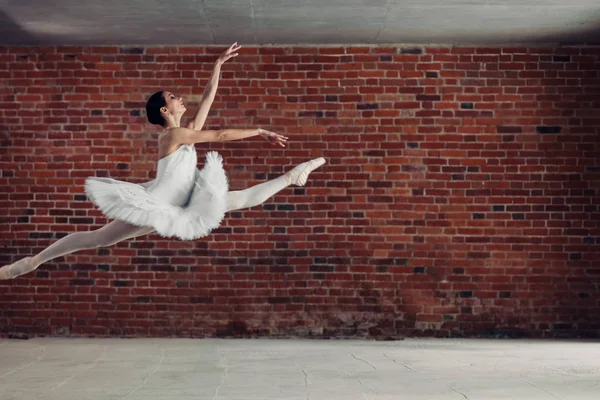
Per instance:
{"type": "Point", "coordinates": [174, 103]}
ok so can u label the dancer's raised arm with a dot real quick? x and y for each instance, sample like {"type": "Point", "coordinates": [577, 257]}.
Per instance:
{"type": "Point", "coordinates": [211, 89]}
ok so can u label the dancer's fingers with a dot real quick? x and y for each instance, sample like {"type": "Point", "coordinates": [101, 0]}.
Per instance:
{"type": "Point", "coordinates": [233, 48]}
{"type": "Point", "coordinates": [278, 142]}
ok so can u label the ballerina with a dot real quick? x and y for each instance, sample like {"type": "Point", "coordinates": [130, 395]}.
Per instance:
{"type": "Point", "coordinates": [182, 201]}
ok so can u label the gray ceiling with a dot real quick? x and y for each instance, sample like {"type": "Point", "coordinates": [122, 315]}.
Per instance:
{"type": "Point", "coordinates": [298, 21]}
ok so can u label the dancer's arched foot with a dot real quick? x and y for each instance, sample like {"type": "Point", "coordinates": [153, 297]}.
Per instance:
{"type": "Point", "coordinates": [17, 268]}
{"type": "Point", "coordinates": [299, 175]}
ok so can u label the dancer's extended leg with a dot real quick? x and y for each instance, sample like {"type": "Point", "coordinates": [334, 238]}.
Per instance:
{"type": "Point", "coordinates": [108, 235]}
{"type": "Point", "coordinates": [258, 194]}
{"type": "Point", "coordinates": [117, 231]}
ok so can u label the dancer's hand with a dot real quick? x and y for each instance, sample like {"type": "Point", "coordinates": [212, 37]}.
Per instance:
{"type": "Point", "coordinates": [229, 53]}
{"type": "Point", "coordinates": [273, 137]}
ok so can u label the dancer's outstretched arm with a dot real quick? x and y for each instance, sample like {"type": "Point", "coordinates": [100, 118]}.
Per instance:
{"type": "Point", "coordinates": [211, 88]}
{"type": "Point", "coordinates": [190, 136]}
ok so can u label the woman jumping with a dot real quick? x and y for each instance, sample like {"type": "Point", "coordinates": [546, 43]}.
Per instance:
{"type": "Point", "coordinates": [182, 201]}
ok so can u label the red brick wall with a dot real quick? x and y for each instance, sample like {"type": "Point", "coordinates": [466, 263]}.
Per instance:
{"type": "Point", "coordinates": [460, 198]}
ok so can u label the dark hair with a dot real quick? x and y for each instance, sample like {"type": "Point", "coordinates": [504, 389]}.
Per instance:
{"type": "Point", "coordinates": [153, 106]}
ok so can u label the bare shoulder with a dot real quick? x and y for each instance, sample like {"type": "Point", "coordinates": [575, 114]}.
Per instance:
{"type": "Point", "coordinates": [167, 143]}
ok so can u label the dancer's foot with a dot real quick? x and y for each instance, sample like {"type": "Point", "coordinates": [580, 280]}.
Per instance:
{"type": "Point", "coordinates": [299, 175]}
{"type": "Point", "coordinates": [17, 268]}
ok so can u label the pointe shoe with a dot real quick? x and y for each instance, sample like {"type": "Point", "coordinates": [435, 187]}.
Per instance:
{"type": "Point", "coordinates": [17, 268]}
{"type": "Point", "coordinates": [299, 175]}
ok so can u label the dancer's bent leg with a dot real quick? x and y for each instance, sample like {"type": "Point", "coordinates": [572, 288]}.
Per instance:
{"type": "Point", "coordinates": [258, 194]}
{"type": "Point", "coordinates": [108, 235]}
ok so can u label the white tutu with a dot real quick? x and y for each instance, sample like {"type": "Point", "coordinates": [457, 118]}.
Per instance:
{"type": "Point", "coordinates": [181, 202]}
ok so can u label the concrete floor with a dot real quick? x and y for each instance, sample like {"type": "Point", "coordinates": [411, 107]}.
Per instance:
{"type": "Point", "coordinates": [174, 369]}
